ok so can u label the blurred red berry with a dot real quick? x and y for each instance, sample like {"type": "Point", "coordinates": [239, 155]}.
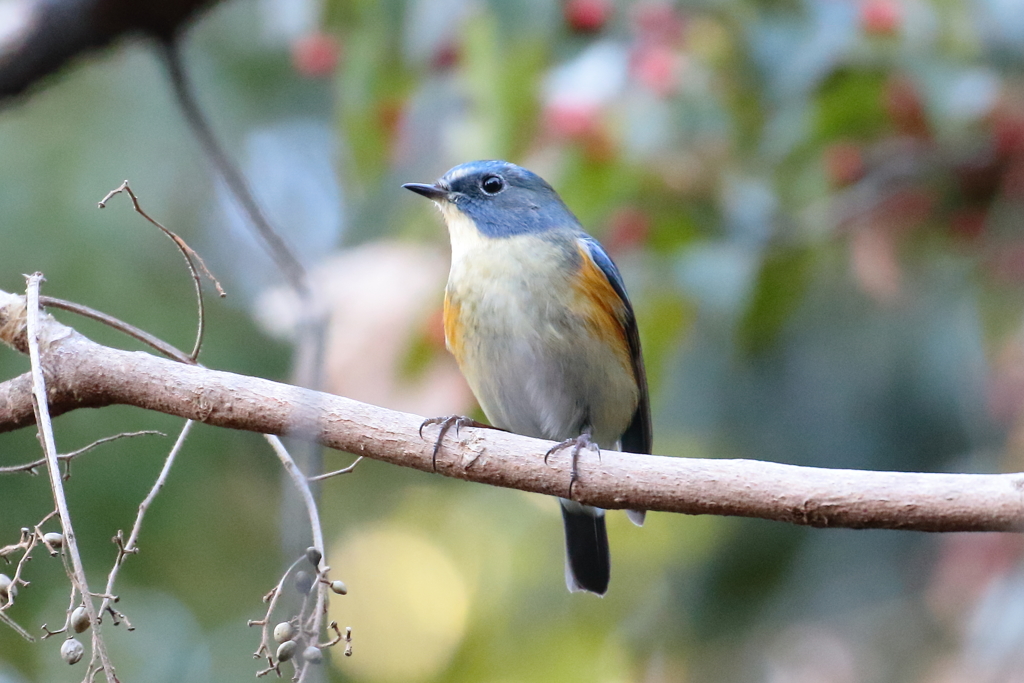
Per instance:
{"type": "Point", "coordinates": [571, 121]}
{"type": "Point", "coordinates": [628, 227]}
{"type": "Point", "coordinates": [658, 22]}
{"type": "Point", "coordinates": [316, 54]}
{"type": "Point", "coordinates": [968, 224]}
{"type": "Point", "coordinates": [658, 67]}
{"type": "Point", "coordinates": [581, 124]}
{"type": "Point", "coordinates": [1008, 130]}
{"type": "Point", "coordinates": [844, 163]}
{"type": "Point", "coordinates": [881, 17]}
{"type": "Point", "coordinates": [587, 16]}
{"type": "Point", "coordinates": [389, 115]}
{"type": "Point", "coordinates": [904, 106]}
{"type": "Point", "coordinates": [446, 56]}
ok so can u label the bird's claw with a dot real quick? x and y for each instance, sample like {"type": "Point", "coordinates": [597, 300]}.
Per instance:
{"type": "Point", "coordinates": [447, 422]}
{"type": "Point", "coordinates": [578, 443]}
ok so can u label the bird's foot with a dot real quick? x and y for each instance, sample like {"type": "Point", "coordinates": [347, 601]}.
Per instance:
{"type": "Point", "coordinates": [577, 443]}
{"type": "Point", "coordinates": [447, 422]}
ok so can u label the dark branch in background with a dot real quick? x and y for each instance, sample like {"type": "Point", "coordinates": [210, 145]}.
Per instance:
{"type": "Point", "coordinates": [311, 332]}
{"type": "Point", "coordinates": [55, 32]}
{"type": "Point", "coordinates": [286, 261]}
{"type": "Point", "coordinates": [58, 30]}
{"type": "Point", "coordinates": [81, 373]}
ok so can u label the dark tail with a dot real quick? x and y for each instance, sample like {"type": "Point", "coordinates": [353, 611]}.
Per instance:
{"type": "Point", "coordinates": [588, 565]}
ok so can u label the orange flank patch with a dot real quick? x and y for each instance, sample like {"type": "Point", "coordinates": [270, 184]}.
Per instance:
{"type": "Point", "coordinates": [599, 303]}
{"type": "Point", "coordinates": [452, 326]}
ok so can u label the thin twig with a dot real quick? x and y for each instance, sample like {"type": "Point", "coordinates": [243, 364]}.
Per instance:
{"type": "Point", "coordinates": [188, 252]}
{"type": "Point", "coordinates": [271, 598]}
{"type": "Point", "coordinates": [344, 470]}
{"type": "Point", "coordinates": [16, 628]}
{"type": "Point", "coordinates": [45, 429]}
{"type": "Point", "coordinates": [68, 457]}
{"type": "Point", "coordinates": [28, 541]}
{"type": "Point", "coordinates": [157, 344]}
{"type": "Point", "coordinates": [302, 486]}
{"type": "Point", "coordinates": [130, 547]}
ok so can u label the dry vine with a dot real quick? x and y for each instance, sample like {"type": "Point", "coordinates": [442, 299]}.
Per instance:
{"type": "Point", "coordinates": [81, 612]}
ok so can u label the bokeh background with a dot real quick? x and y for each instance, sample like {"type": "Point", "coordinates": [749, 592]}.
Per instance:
{"type": "Point", "coordinates": [816, 206]}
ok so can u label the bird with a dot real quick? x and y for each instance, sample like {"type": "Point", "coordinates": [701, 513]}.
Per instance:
{"type": "Point", "coordinates": [538, 319]}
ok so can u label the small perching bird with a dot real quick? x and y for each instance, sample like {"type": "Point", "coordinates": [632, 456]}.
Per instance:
{"type": "Point", "coordinates": [537, 317]}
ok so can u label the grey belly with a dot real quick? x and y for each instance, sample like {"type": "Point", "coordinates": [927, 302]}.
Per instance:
{"type": "Point", "coordinates": [554, 388]}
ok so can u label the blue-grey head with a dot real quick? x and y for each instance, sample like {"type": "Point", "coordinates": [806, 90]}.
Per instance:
{"type": "Point", "coordinates": [501, 199]}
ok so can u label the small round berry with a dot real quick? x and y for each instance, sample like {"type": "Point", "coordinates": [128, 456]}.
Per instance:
{"type": "Point", "coordinates": [54, 539]}
{"type": "Point", "coordinates": [8, 590]}
{"type": "Point", "coordinates": [286, 650]}
{"type": "Point", "coordinates": [72, 650]}
{"type": "Point", "coordinates": [80, 619]}
{"type": "Point", "coordinates": [313, 654]}
{"type": "Point", "coordinates": [316, 55]}
{"type": "Point", "coordinates": [844, 163]}
{"type": "Point", "coordinates": [314, 556]}
{"type": "Point", "coordinates": [339, 587]}
{"type": "Point", "coordinates": [587, 16]}
{"type": "Point", "coordinates": [303, 582]}
{"type": "Point", "coordinates": [284, 631]}
{"type": "Point", "coordinates": [881, 17]}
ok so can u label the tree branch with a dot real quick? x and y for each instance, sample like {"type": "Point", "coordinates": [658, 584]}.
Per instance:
{"type": "Point", "coordinates": [47, 34]}
{"type": "Point", "coordinates": [81, 373]}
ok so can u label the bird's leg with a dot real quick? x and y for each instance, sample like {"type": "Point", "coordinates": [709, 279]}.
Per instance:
{"type": "Point", "coordinates": [447, 422]}
{"type": "Point", "coordinates": [578, 443]}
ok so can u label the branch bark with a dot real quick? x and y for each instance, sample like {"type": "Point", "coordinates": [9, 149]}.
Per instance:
{"type": "Point", "coordinates": [83, 374]}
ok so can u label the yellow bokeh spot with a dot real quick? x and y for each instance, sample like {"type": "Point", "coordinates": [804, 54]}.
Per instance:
{"type": "Point", "coordinates": [407, 605]}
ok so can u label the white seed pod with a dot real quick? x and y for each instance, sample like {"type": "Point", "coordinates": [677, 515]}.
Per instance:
{"type": "Point", "coordinates": [286, 650]}
{"type": "Point", "coordinates": [313, 654]}
{"type": "Point", "coordinates": [284, 631]}
{"type": "Point", "coordinates": [54, 539]}
{"type": "Point", "coordinates": [339, 587]}
{"type": "Point", "coordinates": [303, 582]}
{"type": "Point", "coordinates": [80, 619]}
{"type": "Point", "coordinates": [8, 591]}
{"type": "Point", "coordinates": [71, 651]}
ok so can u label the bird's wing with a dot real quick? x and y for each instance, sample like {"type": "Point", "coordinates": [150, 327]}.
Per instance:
{"type": "Point", "coordinates": [638, 435]}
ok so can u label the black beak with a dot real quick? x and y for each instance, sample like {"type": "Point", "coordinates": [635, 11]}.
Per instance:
{"type": "Point", "coordinates": [429, 191]}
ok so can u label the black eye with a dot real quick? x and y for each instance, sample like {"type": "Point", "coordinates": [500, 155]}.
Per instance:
{"type": "Point", "coordinates": [492, 184]}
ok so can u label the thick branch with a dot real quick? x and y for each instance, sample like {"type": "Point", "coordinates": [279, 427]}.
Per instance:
{"type": "Point", "coordinates": [47, 34]}
{"type": "Point", "coordinates": [81, 373]}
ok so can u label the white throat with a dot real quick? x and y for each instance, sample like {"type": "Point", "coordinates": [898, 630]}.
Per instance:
{"type": "Point", "coordinates": [465, 236]}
